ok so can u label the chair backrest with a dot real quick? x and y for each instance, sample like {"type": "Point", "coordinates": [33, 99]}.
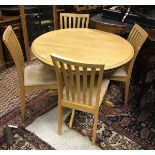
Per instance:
{"type": "Point", "coordinates": [76, 77]}
{"type": "Point", "coordinates": [137, 38]}
{"type": "Point", "coordinates": [71, 20]}
{"type": "Point", "coordinates": [15, 50]}
{"type": "Point", "coordinates": [113, 28]}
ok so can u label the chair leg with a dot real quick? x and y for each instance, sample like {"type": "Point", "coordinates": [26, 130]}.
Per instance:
{"type": "Point", "coordinates": [104, 98]}
{"type": "Point", "coordinates": [94, 128]}
{"type": "Point", "coordinates": [59, 119]}
{"type": "Point", "coordinates": [22, 96]}
{"type": "Point", "coordinates": [127, 84]}
{"type": "Point", "coordinates": [72, 118]}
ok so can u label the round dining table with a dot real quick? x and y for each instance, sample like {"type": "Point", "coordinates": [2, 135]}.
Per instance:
{"type": "Point", "coordinates": [84, 45]}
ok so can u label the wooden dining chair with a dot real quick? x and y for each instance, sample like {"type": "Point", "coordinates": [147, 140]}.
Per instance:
{"type": "Point", "coordinates": [71, 20]}
{"type": "Point", "coordinates": [136, 37]}
{"type": "Point", "coordinates": [80, 87]}
{"type": "Point", "coordinates": [32, 77]}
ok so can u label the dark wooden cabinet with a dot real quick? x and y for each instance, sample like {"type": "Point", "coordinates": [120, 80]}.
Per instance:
{"type": "Point", "coordinates": [10, 16]}
{"type": "Point", "coordinates": [17, 27]}
{"type": "Point", "coordinates": [39, 20]}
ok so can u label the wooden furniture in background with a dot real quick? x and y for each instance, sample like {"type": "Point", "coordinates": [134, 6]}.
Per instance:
{"type": "Point", "coordinates": [88, 9]}
{"type": "Point", "coordinates": [39, 20]}
{"type": "Point", "coordinates": [17, 26]}
{"type": "Point", "coordinates": [2, 62]}
{"type": "Point", "coordinates": [14, 16]}
{"type": "Point", "coordinates": [77, 9]}
{"type": "Point", "coordinates": [71, 20]}
{"type": "Point", "coordinates": [82, 90]}
{"type": "Point", "coordinates": [55, 16]}
{"type": "Point", "coordinates": [85, 46]}
{"type": "Point", "coordinates": [136, 37]}
{"type": "Point", "coordinates": [25, 34]}
{"type": "Point", "coordinates": [32, 77]}
{"type": "Point", "coordinates": [80, 8]}
{"type": "Point", "coordinates": [57, 9]}
{"type": "Point", "coordinates": [103, 26]}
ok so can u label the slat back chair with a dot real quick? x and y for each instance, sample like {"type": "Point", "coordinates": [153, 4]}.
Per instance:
{"type": "Point", "coordinates": [14, 47]}
{"type": "Point", "coordinates": [137, 37]}
{"type": "Point", "coordinates": [71, 20]}
{"type": "Point", "coordinates": [83, 89]}
{"type": "Point", "coordinates": [32, 77]}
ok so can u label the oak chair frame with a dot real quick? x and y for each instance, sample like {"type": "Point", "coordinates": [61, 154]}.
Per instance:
{"type": "Point", "coordinates": [14, 47]}
{"type": "Point", "coordinates": [70, 73]}
{"type": "Point", "coordinates": [137, 38]}
{"type": "Point", "coordinates": [71, 20]}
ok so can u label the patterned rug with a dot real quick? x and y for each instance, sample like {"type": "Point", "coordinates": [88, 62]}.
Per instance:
{"type": "Point", "coordinates": [118, 128]}
{"type": "Point", "coordinates": [37, 103]}
{"type": "Point", "coordinates": [121, 128]}
{"type": "Point", "coordinates": [25, 140]}
{"type": "Point", "coordinates": [9, 90]}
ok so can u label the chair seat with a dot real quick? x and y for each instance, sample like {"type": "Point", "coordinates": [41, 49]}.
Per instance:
{"type": "Point", "coordinates": [39, 74]}
{"type": "Point", "coordinates": [104, 87]}
{"type": "Point", "coordinates": [121, 72]}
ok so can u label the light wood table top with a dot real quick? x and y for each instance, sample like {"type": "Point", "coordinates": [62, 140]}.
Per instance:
{"type": "Point", "coordinates": [84, 45]}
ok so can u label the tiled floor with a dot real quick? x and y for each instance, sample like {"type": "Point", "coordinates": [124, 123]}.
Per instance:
{"type": "Point", "coordinates": [45, 127]}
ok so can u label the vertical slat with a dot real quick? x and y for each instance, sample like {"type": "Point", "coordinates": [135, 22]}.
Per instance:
{"type": "Point", "coordinates": [74, 22]}
{"type": "Point", "coordinates": [84, 84]}
{"type": "Point", "coordinates": [77, 72]}
{"type": "Point", "coordinates": [70, 22]}
{"type": "Point", "coordinates": [71, 81]}
{"type": "Point", "coordinates": [133, 35]}
{"type": "Point", "coordinates": [61, 23]}
{"type": "Point", "coordinates": [12, 48]}
{"type": "Point", "coordinates": [65, 79]}
{"type": "Point", "coordinates": [59, 77]}
{"type": "Point", "coordinates": [65, 22]}
{"type": "Point", "coordinates": [78, 23]}
{"type": "Point", "coordinates": [140, 41]}
{"type": "Point", "coordinates": [14, 53]}
{"type": "Point", "coordinates": [135, 39]}
{"type": "Point", "coordinates": [92, 78]}
{"type": "Point", "coordinates": [18, 49]}
{"type": "Point", "coordinates": [83, 22]}
{"type": "Point", "coordinates": [87, 21]}
{"type": "Point", "coordinates": [99, 83]}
